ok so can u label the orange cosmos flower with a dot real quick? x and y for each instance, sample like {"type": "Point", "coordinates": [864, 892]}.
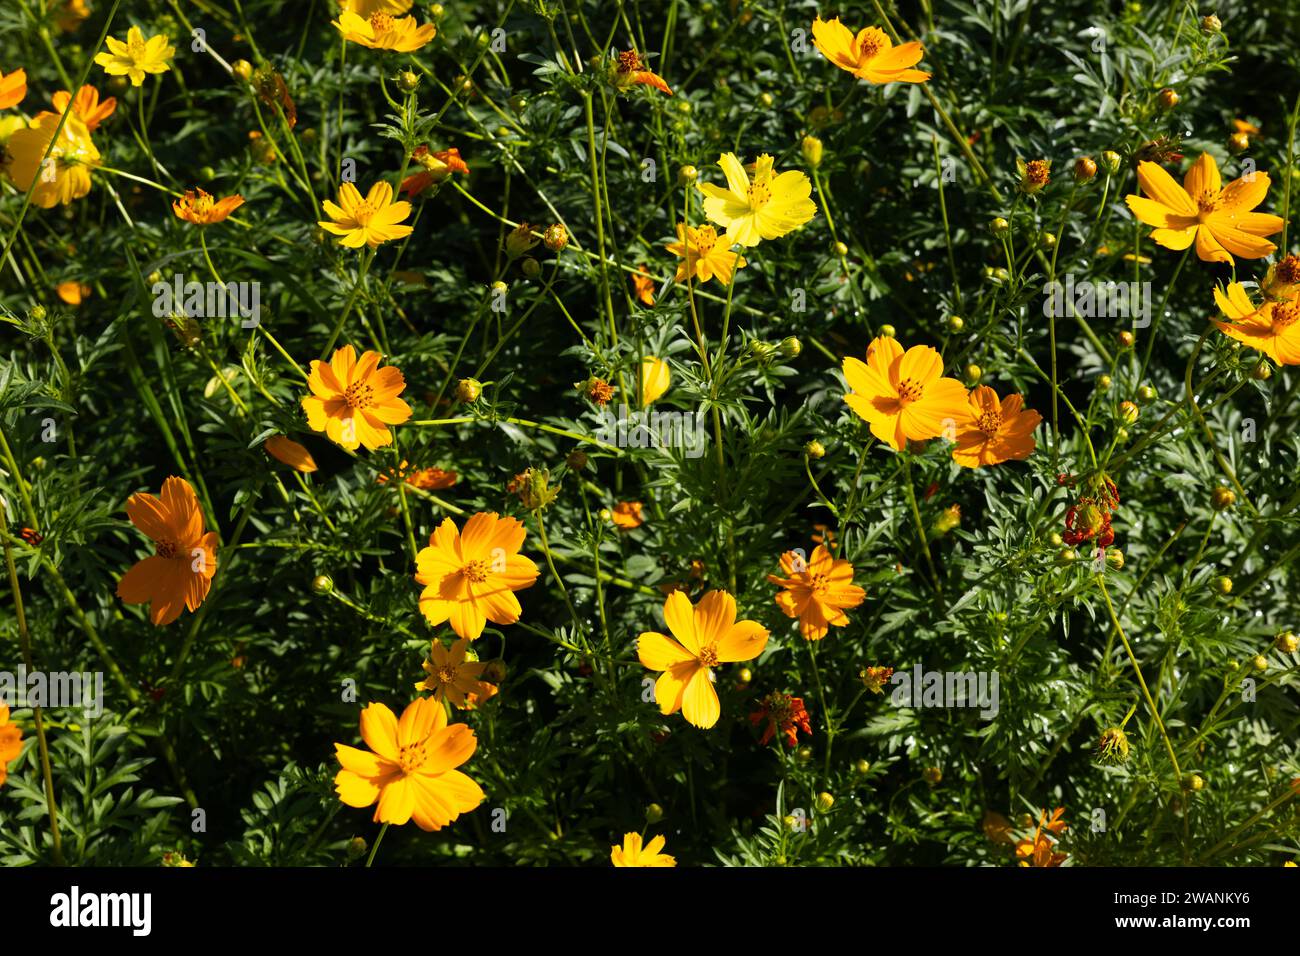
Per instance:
{"type": "Point", "coordinates": [816, 591]}
{"type": "Point", "coordinates": [437, 167]}
{"type": "Point", "coordinates": [996, 431]}
{"type": "Point", "coordinates": [179, 573]}
{"type": "Point", "coordinates": [452, 677]}
{"type": "Point", "coordinates": [627, 515]}
{"type": "Point", "coordinates": [382, 31]}
{"type": "Point", "coordinates": [1040, 851]}
{"type": "Point", "coordinates": [72, 292]}
{"type": "Point", "coordinates": [643, 286]}
{"type": "Point", "coordinates": [703, 257]}
{"type": "Point", "coordinates": [870, 55]}
{"type": "Point", "coordinates": [201, 209]}
{"type": "Point", "coordinates": [631, 71]}
{"type": "Point", "coordinates": [903, 395]}
{"type": "Point", "coordinates": [1217, 217]}
{"type": "Point", "coordinates": [13, 88]}
{"type": "Point", "coordinates": [707, 635]}
{"type": "Point", "coordinates": [291, 453]}
{"type": "Point", "coordinates": [425, 479]}
{"type": "Point", "coordinates": [1271, 328]}
{"type": "Point", "coordinates": [411, 773]}
{"type": "Point", "coordinates": [470, 577]}
{"type": "Point", "coordinates": [86, 106]}
{"type": "Point", "coordinates": [632, 853]}
{"type": "Point", "coordinates": [69, 14]}
{"type": "Point", "coordinates": [366, 222]}
{"type": "Point", "coordinates": [11, 742]}
{"type": "Point", "coordinates": [354, 401]}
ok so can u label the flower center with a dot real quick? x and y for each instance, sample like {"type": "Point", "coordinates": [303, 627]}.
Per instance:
{"type": "Point", "coordinates": [359, 395]}
{"type": "Point", "coordinates": [1288, 269]}
{"type": "Point", "coordinates": [202, 205]}
{"type": "Point", "coordinates": [989, 422]}
{"type": "Point", "coordinates": [167, 549]}
{"type": "Point", "coordinates": [135, 47]}
{"type": "Point", "coordinates": [629, 61]}
{"type": "Point", "coordinates": [868, 48]}
{"type": "Point", "coordinates": [476, 571]}
{"type": "Point", "coordinates": [381, 22]}
{"type": "Point", "coordinates": [1285, 314]}
{"type": "Point", "coordinates": [709, 656]}
{"type": "Point", "coordinates": [411, 757]}
{"type": "Point", "coordinates": [364, 212]}
{"type": "Point", "coordinates": [910, 390]}
{"type": "Point", "coordinates": [1207, 202]}
{"type": "Point", "coordinates": [446, 674]}
{"type": "Point", "coordinates": [1037, 171]}
{"type": "Point", "coordinates": [819, 582]}
{"type": "Point", "coordinates": [706, 237]}
{"type": "Point", "coordinates": [760, 194]}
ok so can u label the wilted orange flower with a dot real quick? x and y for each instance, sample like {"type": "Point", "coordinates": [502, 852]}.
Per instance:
{"type": "Point", "coordinates": [86, 106]}
{"type": "Point", "coordinates": [703, 256]}
{"type": "Point", "coordinates": [597, 390]}
{"type": "Point", "coordinates": [72, 292]}
{"type": "Point", "coordinates": [411, 773]}
{"type": "Point", "coordinates": [425, 479]}
{"type": "Point", "coordinates": [382, 31]}
{"type": "Point", "coordinates": [997, 828]}
{"type": "Point", "coordinates": [870, 55]}
{"type": "Point", "coordinates": [13, 88]}
{"type": "Point", "coordinates": [706, 636]}
{"type": "Point", "coordinates": [816, 591]}
{"type": "Point", "coordinates": [1271, 328]}
{"type": "Point", "coordinates": [437, 167]}
{"type": "Point", "coordinates": [903, 395]}
{"type": "Point", "coordinates": [631, 71]}
{"type": "Point", "coordinates": [875, 678]}
{"type": "Point", "coordinates": [632, 853]}
{"type": "Point", "coordinates": [452, 677]}
{"type": "Point", "coordinates": [995, 431]}
{"type": "Point", "coordinates": [643, 286]}
{"type": "Point", "coordinates": [291, 453]}
{"type": "Point", "coordinates": [470, 577]}
{"type": "Point", "coordinates": [1217, 217]}
{"type": "Point", "coordinates": [354, 401]}
{"type": "Point", "coordinates": [782, 714]}
{"type": "Point", "coordinates": [11, 742]}
{"type": "Point", "coordinates": [627, 515]}
{"type": "Point", "coordinates": [200, 208]}
{"type": "Point", "coordinates": [179, 573]}
{"type": "Point", "coordinates": [366, 222]}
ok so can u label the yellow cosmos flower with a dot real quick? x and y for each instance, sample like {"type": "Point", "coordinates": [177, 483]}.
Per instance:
{"type": "Point", "coordinates": [137, 56]}
{"type": "Point", "coordinates": [198, 207]}
{"type": "Point", "coordinates": [381, 31]}
{"type": "Point", "coordinates": [291, 453]}
{"type": "Point", "coordinates": [1271, 328]}
{"type": "Point", "coordinates": [817, 591]}
{"type": "Point", "coordinates": [13, 88]}
{"type": "Point", "coordinates": [703, 258]}
{"type": "Point", "coordinates": [903, 395]}
{"type": "Point", "coordinates": [364, 8]}
{"type": "Point", "coordinates": [1217, 217]}
{"type": "Point", "coordinates": [354, 401]}
{"type": "Point", "coordinates": [11, 742]}
{"type": "Point", "coordinates": [369, 221]}
{"type": "Point", "coordinates": [411, 773]}
{"type": "Point", "coordinates": [655, 379]}
{"type": "Point", "coordinates": [996, 431]}
{"type": "Point", "coordinates": [632, 853]}
{"type": "Point", "coordinates": [65, 175]}
{"type": "Point", "coordinates": [766, 207]}
{"type": "Point", "coordinates": [870, 55]}
{"type": "Point", "coordinates": [452, 677]}
{"type": "Point", "coordinates": [86, 106]}
{"type": "Point", "coordinates": [470, 577]}
{"type": "Point", "coordinates": [707, 635]}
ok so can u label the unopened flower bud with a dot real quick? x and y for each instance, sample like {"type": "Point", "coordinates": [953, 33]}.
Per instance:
{"type": "Point", "coordinates": [815, 449]}
{"type": "Point", "coordinates": [932, 775]}
{"type": "Point", "coordinates": [1113, 747]}
{"type": "Point", "coordinates": [1260, 663]}
{"type": "Point", "coordinates": [825, 801]}
{"type": "Point", "coordinates": [791, 347]}
{"type": "Point", "coordinates": [973, 373]}
{"type": "Point", "coordinates": [1125, 339]}
{"type": "Point", "coordinates": [556, 237]}
{"type": "Point", "coordinates": [1110, 161]}
{"type": "Point", "coordinates": [956, 323]}
{"type": "Point", "coordinates": [999, 226]}
{"type": "Point", "coordinates": [812, 151]}
{"type": "Point", "coordinates": [408, 81]}
{"type": "Point", "coordinates": [242, 70]}
{"type": "Point", "coordinates": [322, 584]}
{"type": "Point", "coordinates": [1084, 169]}
{"type": "Point", "coordinates": [1103, 382]}
{"type": "Point", "coordinates": [687, 175]}
{"type": "Point", "coordinates": [356, 848]}
{"type": "Point", "coordinates": [1223, 585]}
{"type": "Point", "coordinates": [654, 813]}
{"type": "Point", "coordinates": [1287, 642]}
{"type": "Point", "coordinates": [1223, 498]}
{"type": "Point", "coordinates": [1115, 559]}
{"type": "Point", "coordinates": [1239, 142]}
{"type": "Point", "coordinates": [531, 267]}
{"type": "Point", "coordinates": [888, 331]}
{"type": "Point", "coordinates": [1128, 412]}
{"type": "Point", "coordinates": [468, 390]}
{"type": "Point", "coordinates": [1146, 395]}
{"type": "Point", "coordinates": [577, 460]}
{"type": "Point", "coordinates": [1211, 25]}
{"type": "Point", "coordinates": [1167, 98]}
